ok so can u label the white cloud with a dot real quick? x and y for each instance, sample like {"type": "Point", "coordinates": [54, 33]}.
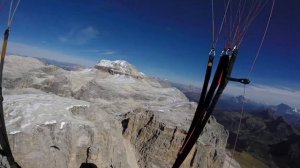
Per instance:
{"type": "Point", "coordinates": [24, 49]}
{"type": "Point", "coordinates": [108, 53]}
{"type": "Point", "coordinates": [89, 51]}
{"type": "Point", "coordinates": [98, 52]}
{"type": "Point", "coordinates": [80, 36]}
{"type": "Point", "coordinates": [267, 94]}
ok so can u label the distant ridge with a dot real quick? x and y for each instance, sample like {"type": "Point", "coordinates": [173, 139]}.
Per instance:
{"type": "Point", "coordinates": [64, 65]}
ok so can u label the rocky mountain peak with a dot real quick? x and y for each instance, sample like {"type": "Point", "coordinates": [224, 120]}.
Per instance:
{"type": "Point", "coordinates": [114, 64]}
{"type": "Point", "coordinates": [283, 107]}
{"type": "Point", "coordinates": [119, 67]}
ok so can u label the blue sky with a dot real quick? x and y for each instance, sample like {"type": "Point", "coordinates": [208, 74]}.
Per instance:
{"type": "Point", "coordinates": [169, 39]}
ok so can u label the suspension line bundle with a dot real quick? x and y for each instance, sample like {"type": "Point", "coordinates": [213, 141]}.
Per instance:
{"type": "Point", "coordinates": [238, 22]}
{"type": "Point", "coordinates": [5, 147]}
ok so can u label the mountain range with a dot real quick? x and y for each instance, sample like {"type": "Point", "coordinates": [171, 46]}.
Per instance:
{"type": "Point", "coordinates": [109, 115]}
{"type": "Point", "coordinates": [270, 133]}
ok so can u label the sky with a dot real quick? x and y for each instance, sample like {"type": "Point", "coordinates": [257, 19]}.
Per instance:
{"type": "Point", "coordinates": [169, 39]}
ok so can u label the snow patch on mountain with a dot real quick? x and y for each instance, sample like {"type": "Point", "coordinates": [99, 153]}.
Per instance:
{"type": "Point", "coordinates": [50, 122]}
{"type": "Point", "coordinates": [28, 110]}
{"type": "Point", "coordinates": [119, 67]}
{"type": "Point", "coordinates": [62, 124]}
{"type": "Point", "coordinates": [14, 132]}
{"type": "Point", "coordinates": [112, 64]}
{"type": "Point", "coordinates": [78, 106]}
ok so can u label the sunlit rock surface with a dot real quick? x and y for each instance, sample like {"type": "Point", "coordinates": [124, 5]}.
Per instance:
{"type": "Point", "coordinates": [111, 115]}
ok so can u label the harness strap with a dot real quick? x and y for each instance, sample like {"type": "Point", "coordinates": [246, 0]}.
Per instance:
{"type": "Point", "coordinates": [201, 113]}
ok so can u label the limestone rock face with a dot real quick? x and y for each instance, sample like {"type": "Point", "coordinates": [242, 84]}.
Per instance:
{"type": "Point", "coordinates": [58, 118]}
{"type": "Point", "coordinates": [51, 131]}
{"type": "Point", "coordinates": [158, 142]}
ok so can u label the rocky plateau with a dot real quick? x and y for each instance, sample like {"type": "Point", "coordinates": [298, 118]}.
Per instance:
{"type": "Point", "coordinates": [108, 116]}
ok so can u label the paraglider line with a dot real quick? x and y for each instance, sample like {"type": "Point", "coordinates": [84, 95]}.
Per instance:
{"type": "Point", "coordinates": [221, 27]}
{"type": "Point", "coordinates": [262, 40]}
{"type": "Point", "coordinates": [12, 13]}
{"type": "Point", "coordinates": [250, 71]}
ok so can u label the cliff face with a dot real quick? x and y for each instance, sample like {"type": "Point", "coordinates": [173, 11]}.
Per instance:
{"type": "Point", "coordinates": [59, 118]}
{"type": "Point", "coordinates": [157, 142]}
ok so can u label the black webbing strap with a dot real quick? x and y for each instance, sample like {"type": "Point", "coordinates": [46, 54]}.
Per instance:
{"type": "Point", "coordinates": [3, 134]}
{"type": "Point", "coordinates": [194, 132]}
{"type": "Point", "coordinates": [207, 75]}
{"type": "Point", "coordinates": [204, 91]}
{"type": "Point", "coordinates": [221, 78]}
